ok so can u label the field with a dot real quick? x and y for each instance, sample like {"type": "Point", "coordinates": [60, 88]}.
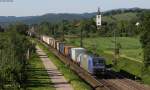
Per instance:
{"type": "Point", "coordinates": [130, 47]}
{"type": "Point", "coordinates": [123, 16]}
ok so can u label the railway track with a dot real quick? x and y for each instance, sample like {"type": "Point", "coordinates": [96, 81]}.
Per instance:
{"type": "Point", "coordinates": [110, 81]}
{"type": "Point", "coordinates": [122, 84]}
{"type": "Point", "coordinates": [118, 82]}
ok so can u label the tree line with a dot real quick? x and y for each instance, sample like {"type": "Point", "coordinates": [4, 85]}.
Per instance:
{"type": "Point", "coordinates": [14, 46]}
{"type": "Point", "coordinates": [123, 28]}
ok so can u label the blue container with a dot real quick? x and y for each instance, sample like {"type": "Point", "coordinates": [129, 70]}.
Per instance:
{"type": "Point", "coordinates": [92, 64]}
{"type": "Point", "coordinates": [61, 47]}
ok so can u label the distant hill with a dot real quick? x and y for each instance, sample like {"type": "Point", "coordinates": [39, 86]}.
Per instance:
{"type": "Point", "coordinates": [51, 17]}
{"type": "Point", "coordinates": [58, 17]}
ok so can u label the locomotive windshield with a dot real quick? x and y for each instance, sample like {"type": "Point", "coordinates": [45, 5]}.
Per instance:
{"type": "Point", "coordinates": [98, 61]}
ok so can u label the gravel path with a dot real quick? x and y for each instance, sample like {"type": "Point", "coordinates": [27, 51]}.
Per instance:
{"type": "Point", "coordinates": [57, 78]}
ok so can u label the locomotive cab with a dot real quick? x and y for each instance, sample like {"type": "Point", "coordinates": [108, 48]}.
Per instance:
{"type": "Point", "coordinates": [98, 65]}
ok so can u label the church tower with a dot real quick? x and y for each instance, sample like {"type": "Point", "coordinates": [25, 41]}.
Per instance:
{"type": "Point", "coordinates": [98, 19]}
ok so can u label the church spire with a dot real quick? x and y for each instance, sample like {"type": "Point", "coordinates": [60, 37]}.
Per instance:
{"type": "Point", "coordinates": [98, 11]}
{"type": "Point", "coordinates": [98, 19]}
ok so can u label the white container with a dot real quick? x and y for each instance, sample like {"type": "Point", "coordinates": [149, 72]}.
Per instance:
{"type": "Point", "coordinates": [58, 46]}
{"type": "Point", "coordinates": [75, 52]}
{"type": "Point", "coordinates": [79, 58]}
{"type": "Point", "coordinates": [46, 39]}
{"type": "Point", "coordinates": [51, 40]}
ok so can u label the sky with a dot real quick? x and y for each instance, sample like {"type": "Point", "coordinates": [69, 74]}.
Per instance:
{"type": "Point", "coordinates": [40, 7]}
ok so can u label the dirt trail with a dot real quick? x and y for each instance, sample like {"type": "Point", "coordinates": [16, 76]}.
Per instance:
{"type": "Point", "coordinates": [57, 78]}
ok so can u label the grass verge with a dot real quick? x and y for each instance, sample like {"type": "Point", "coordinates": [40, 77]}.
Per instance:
{"type": "Point", "coordinates": [75, 80]}
{"type": "Point", "coordinates": [38, 78]}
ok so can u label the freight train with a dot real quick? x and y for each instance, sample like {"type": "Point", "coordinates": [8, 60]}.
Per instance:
{"type": "Point", "coordinates": [91, 63]}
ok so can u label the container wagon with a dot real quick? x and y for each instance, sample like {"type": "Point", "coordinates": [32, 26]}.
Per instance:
{"type": "Point", "coordinates": [58, 46]}
{"type": "Point", "coordinates": [66, 50]}
{"type": "Point", "coordinates": [75, 52]}
{"type": "Point", "coordinates": [90, 63]}
{"type": "Point", "coordinates": [61, 47]}
{"type": "Point", "coordinates": [55, 44]}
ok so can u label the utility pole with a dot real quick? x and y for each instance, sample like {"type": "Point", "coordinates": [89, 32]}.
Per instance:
{"type": "Point", "coordinates": [63, 34]}
{"type": "Point", "coordinates": [63, 30]}
{"type": "Point", "coordinates": [98, 24]}
{"type": "Point", "coordinates": [54, 27]}
{"type": "Point", "coordinates": [116, 49]}
{"type": "Point", "coordinates": [81, 37]}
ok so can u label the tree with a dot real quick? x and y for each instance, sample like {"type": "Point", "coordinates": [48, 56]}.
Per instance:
{"type": "Point", "coordinates": [14, 46]}
{"type": "Point", "coordinates": [21, 28]}
{"type": "Point", "coordinates": [1, 29]}
{"type": "Point", "coordinates": [44, 28]}
{"type": "Point", "coordinates": [145, 37]}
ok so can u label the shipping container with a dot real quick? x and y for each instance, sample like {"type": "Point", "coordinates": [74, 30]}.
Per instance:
{"type": "Point", "coordinates": [91, 64]}
{"type": "Point", "coordinates": [86, 63]}
{"type": "Point", "coordinates": [75, 52]}
{"type": "Point", "coordinates": [58, 46]}
{"type": "Point", "coordinates": [66, 50]}
{"type": "Point", "coordinates": [50, 41]}
{"type": "Point", "coordinates": [46, 39]}
{"type": "Point", "coordinates": [69, 53]}
{"type": "Point", "coordinates": [61, 47]}
{"type": "Point", "coordinates": [55, 45]}
{"type": "Point", "coordinates": [79, 58]}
